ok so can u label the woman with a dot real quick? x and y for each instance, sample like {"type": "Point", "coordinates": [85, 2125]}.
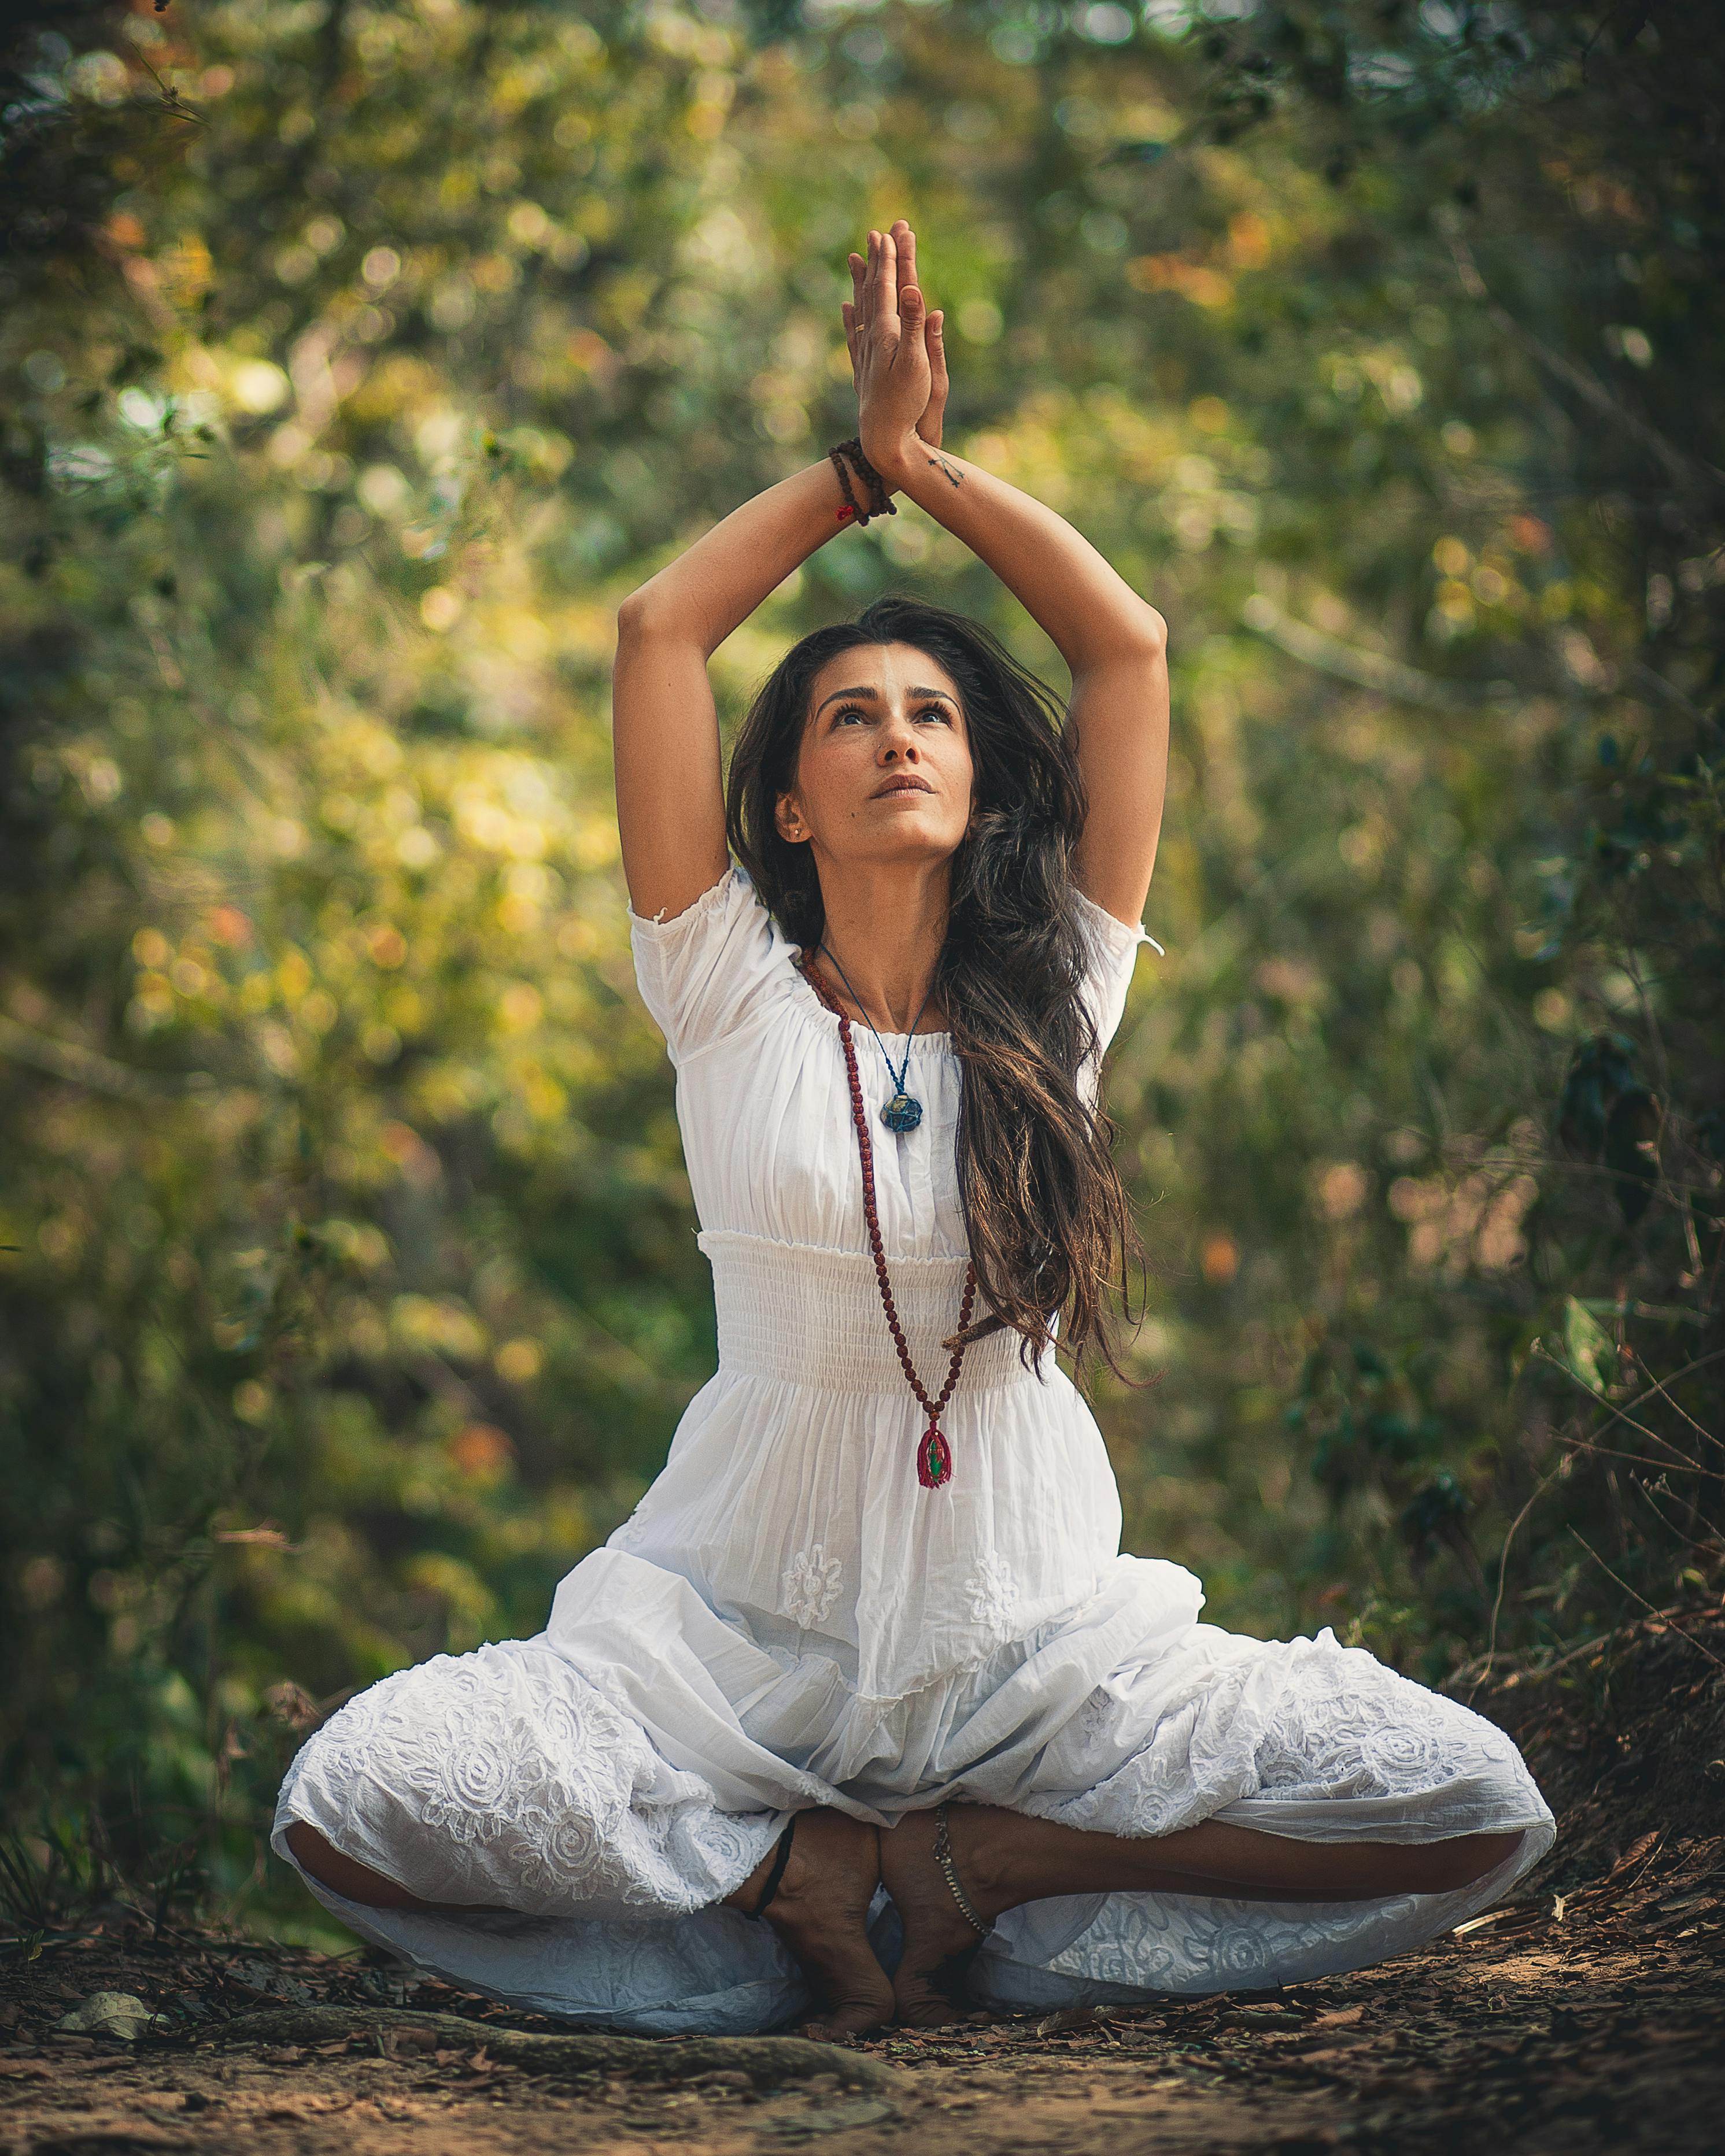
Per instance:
{"type": "Point", "coordinates": [867, 1663]}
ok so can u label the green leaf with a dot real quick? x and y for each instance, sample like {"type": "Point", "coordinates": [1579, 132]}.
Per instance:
{"type": "Point", "coordinates": [1589, 1351]}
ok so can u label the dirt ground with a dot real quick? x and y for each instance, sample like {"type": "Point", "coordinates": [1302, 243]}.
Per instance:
{"type": "Point", "coordinates": [1589, 2014]}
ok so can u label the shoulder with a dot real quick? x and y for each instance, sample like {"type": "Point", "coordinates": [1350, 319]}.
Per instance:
{"type": "Point", "coordinates": [1111, 948]}
{"type": "Point", "coordinates": [703, 972]}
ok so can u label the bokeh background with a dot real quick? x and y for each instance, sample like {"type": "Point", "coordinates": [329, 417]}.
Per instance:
{"type": "Point", "coordinates": [356, 359]}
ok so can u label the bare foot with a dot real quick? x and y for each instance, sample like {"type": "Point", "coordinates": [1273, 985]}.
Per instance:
{"type": "Point", "coordinates": [940, 1940]}
{"type": "Point", "coordinates": [820, 1912]}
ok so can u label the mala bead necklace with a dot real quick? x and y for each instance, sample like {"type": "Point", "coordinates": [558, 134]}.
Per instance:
{"type": "Point", "coordinates": [903, 1112]}
{"type": "Point", "coordinates": [934, 1455]}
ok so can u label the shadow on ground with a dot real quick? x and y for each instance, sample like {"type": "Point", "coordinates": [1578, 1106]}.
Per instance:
{"type": "Point", "coordinates": [1587, 2013]}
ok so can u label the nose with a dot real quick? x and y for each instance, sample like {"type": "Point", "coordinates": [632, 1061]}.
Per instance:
{"type": "Point", "coordinates": [898, 742]}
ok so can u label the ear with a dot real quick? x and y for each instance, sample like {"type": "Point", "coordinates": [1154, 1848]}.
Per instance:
{"type": "Point", "coordinates": [787, 820]}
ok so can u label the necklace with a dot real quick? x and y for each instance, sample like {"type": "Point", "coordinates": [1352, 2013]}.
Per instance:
{"type": "Point", "coordinates": [901, 1112]}
{"type": "Point", "coordinates": [934, 1455]}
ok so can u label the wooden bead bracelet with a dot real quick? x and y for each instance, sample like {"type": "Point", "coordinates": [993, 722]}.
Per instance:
{"type": "Point", "coordinates": [881, 502]}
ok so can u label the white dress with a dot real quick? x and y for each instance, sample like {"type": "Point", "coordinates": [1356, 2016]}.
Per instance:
{"type": "Point", "coordinates": [789, 1618]}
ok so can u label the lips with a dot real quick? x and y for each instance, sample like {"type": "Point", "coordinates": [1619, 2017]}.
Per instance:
{"type": "Point", "coordinates": [905, 785]}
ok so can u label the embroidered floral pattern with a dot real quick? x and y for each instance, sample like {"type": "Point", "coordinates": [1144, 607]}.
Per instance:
{"type": "Point", "coordinates": [811, 1587]}
{"type": "Point", "coordinates": [989, 1594]}
{"type": "Point", "coordinates": [1297, 1721]}
{"type": "Point", "coordinates": [503, 1778]}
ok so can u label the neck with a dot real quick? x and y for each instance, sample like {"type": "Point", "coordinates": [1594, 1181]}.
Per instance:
{"type": "Point", "coordinates": [885, 925]}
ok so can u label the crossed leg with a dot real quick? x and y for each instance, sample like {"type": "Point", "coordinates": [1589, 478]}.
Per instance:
{"type": "Point", "coordinates": [357, 1882]}
{"type": "Point", "coordinates": [1003, 1858]}
{"type": "Point", "coordinates": [819, 1909]}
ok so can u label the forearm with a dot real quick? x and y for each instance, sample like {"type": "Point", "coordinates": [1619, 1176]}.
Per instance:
{"type": "Point", "coordinates": [714, 586]}
{"type": "Point", "coordinates": [1093, 616]}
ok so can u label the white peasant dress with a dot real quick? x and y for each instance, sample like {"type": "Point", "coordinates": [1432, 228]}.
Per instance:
{"type": "Point", "coordinates": [790, 1619]}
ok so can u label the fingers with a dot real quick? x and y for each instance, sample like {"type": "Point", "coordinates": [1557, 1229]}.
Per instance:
{"type": "Point", "coordinates": [854, 313]}
{"type": "Point", "coordinates": [885, 293]}
{"type": "Point", "coordinates": [912, 301]}
{"type": "Point", "coordinates": [937, 379]}
{"type": "Point", "coordinates": [886, 290]}
{"type": "Point", "coordinates": [912, 306]}
{"type": "Point", "coordinates": [937, 352]}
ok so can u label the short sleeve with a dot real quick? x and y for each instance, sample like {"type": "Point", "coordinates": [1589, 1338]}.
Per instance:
{"type": "Point", "coordinates": [1113, 948]}
{"type": "Point", "coordinates": [700, 972]}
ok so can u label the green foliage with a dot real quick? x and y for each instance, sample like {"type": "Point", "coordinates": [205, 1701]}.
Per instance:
{"type": "Point", "coordinates": [358, 358]}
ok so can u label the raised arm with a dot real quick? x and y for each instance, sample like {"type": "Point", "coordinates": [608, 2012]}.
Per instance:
{"type": "Point", "coordinates": [670, 804]}
{"type": "Point", "coordinates": [1114, 642]}
{"type": "Point", "coordinates": [670, 801]}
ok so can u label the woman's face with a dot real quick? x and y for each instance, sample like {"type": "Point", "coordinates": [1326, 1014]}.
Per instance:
{"type": "Point", "coordinates": [884, 774]}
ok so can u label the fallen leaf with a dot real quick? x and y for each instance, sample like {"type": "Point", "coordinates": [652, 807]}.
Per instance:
{"type": "Point", "coordinates": [1639, 1847]}
{"type": "Point", "coordinates": [1067, 2019]}
{"type": "Point", "coordinates": [1340, 2017]}
{"type": "Point", "coordinates": [108, 2013]}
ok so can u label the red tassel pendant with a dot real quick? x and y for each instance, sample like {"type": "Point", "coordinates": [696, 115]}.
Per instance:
{"type": "Point", "coordinates": [934, 1455]}
{"type": "Point", "coordinates": [934, 1459]}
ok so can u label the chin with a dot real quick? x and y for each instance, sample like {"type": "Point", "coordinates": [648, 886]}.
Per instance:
{"type": "Point", "coordinates": [917, 846]}
{"type": "Point", "coordinates": [917, 816]}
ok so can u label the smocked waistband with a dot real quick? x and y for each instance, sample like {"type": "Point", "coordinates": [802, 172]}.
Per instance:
{"type": "Point", "coordinates": [812, 1316]}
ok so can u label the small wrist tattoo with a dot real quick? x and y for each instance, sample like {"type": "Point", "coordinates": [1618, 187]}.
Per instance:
{"type": "Point", "coordinates": [941, 465]}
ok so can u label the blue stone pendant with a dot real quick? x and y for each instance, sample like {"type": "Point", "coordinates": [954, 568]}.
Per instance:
{"type": "Point", "coordinates": [902, 1113]}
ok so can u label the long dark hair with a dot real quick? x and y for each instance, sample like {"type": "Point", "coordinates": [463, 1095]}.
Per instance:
{"type": "Point", "coordinates": [1044, 1209]}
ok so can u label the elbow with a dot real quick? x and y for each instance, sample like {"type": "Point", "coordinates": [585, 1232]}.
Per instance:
{"type": "Point", "coordinates": [1133, 638]}
{"type": "Point", "coordinates": [1131, 635]}
{"type": "Point", "coordinates": [1150, 632]}
{"type": "Point", "coordinates": [635, 616]}
{"type": "Point", "coordinates": [650, 617]}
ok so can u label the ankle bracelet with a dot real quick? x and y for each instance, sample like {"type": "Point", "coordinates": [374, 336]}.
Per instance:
{"type": "Point", "coordinates": [777, 1873]}
{"type": "Point", "coordinates": [949, 1870]}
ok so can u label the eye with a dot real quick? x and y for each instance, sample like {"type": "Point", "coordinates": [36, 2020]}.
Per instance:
{"type": "Point", "coordinates": [936, 711]}
{"type": "Point", "coordinates": [848, 712]}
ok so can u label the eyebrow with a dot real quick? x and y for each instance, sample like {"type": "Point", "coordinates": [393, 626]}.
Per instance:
{"type": "Point", "coordinates": [869, 694]}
